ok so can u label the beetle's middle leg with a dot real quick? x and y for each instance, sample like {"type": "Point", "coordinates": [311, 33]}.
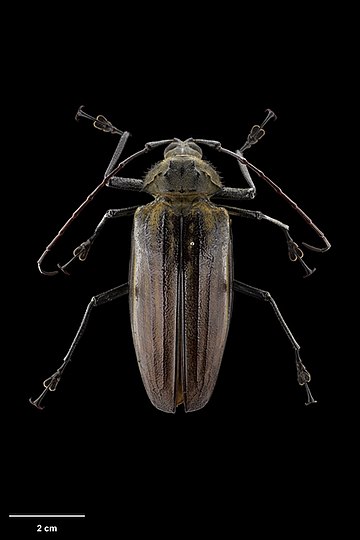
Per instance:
{"type": "Point", "coordinates": [103, 298]}
{"type": "Point", "coordinates": [82, 251]}
{"type": "Point", "coordinates": [294, 252]}
{"type": "Point", "coordinates": [303, 376]}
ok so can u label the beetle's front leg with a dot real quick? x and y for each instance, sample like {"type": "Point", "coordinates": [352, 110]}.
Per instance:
{"type": "Point", "coordinates": [81, 252]}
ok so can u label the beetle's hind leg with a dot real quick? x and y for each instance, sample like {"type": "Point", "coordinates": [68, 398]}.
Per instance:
{"type": "Point", "coordinates": [103, 298]}
{"type": "Point", "coordinates": [303, 376]}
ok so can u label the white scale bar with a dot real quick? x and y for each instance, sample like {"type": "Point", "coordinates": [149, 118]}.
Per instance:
{"type": "Point", "coordinates": [46, 515]}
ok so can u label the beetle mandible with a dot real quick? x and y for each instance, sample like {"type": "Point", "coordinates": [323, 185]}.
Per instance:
{"type": "Point", "coordinates": [181, 267]}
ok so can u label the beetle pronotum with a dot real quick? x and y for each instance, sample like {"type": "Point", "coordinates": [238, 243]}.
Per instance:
{"type": "Point", "coordinates": [181, 269]}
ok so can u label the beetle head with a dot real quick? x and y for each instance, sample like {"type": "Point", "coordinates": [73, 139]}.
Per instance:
{"type": "Point", "coordinates": [182, 172]}
{"type": "Point", "coordinates": [182, 148]}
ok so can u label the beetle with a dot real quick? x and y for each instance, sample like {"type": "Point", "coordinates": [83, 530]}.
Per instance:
{"type": "Point", "coordinates": [181, 280]}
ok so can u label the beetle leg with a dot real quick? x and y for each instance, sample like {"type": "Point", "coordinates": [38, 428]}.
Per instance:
{"type": "Point", "coordinates": [100, 122]}
{"type": "Point", "coordinates": [51, 382]}
{"type": "Point", "coordinates": [303, 376]}
{"type": "Point", "coordinates": [147, 148]}
{"type": "Point", "coordinates": [81, 252]}
{"type": "Point", "coordinates": [236, 194]}
{"type": "Point", "coordinates": [294, 252]}
{"type": "Point", "coordinates": [131, 184]}
{"type": "Point", "coordinates": [126, 184]}
{"type": "Point", "coordinates": [256, 133]}
{"type": "Point", "coordinates": [118, 151]}
{"type": "Point", "coordinates": [239, 194]}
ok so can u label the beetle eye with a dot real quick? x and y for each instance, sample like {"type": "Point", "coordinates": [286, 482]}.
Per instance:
{"type": "Point", "coordinates": [170, 147]}
{"type": "Point", "coordinates": [178, 147]}
{"type": "Point", "coordinates": [195, 147]}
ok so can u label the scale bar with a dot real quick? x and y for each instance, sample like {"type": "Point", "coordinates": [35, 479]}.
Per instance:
{"type": "Point", "coordinates": [46, 515]}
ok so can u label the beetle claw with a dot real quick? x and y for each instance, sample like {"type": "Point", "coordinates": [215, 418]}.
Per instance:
{"type": "Point", "coordinates": [62, 268]}
{"type": "Point", "coordinates": [309, 396]}
{"type": "Point", "coordinates": [270, 114]}
{"type": "Point", "coordinates": [36, 402]}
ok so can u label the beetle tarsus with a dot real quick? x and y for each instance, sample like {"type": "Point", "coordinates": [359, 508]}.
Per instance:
{"type": "Point", "coordinates": [50, 384]}
{"type": "Point", "coordinates": [103, 124]}
{"type": "Point", "coordinates": [296, 254]}
{"type": "Point", "coordinates": [257, 132]}
{"type": "Point", "coordinates": [100, 122]}
{"type": "Point", "coordinates": [82, 251]}
{"type": "Point", "coordinates": [303, 376]}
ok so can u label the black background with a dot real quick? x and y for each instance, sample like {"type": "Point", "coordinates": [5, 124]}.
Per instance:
{"type": "Point", "coordinates": [100, 447]}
